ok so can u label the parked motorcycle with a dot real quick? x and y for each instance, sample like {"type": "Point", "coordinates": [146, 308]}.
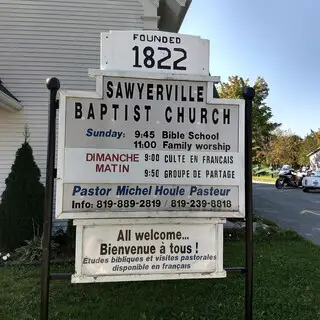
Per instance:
{"type": "Point", "coordinates": [289, 177]}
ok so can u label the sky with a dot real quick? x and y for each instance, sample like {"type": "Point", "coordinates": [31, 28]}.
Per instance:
{"type": "Point", "coordinates": [278, 40]}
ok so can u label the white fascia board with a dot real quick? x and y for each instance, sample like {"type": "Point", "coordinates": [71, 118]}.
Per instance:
{"type": "Point", "coordinates": [151, 75]}
{"type": "Point", "coordinates": [173, 14]}
{"type": "Point", "coordinates": [9, 103]}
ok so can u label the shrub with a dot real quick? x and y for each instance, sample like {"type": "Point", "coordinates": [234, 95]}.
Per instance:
{"type": "Point", "coordinates": [22, 202]}
{"type": "Point", "coordinates": [33, 250]}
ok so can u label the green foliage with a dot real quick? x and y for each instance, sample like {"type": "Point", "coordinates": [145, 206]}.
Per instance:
{"type": "Point", "coordinates": [309, 144]}
{"type": "Point", "coordinates": [265, 231]}
{"type": "Point", "coordinates": [22, 202]}
{"type": "Point", "coordinates": [273, 233]}
{"type": "Point", "coordinates": [270, 146]}
{"type": "Point", "coordinates": [233, 88]}
{"type": "Point", "coordinates": [262, 126]}
{"type": "Point", "coordinates": [266, 178]}
{"type": "Point", "coordinates": [33, 250]}
{"type": "Point", "coordinates": [284, 149]}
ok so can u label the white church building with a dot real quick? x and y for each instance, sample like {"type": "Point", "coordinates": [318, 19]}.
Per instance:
{"type": "Point", "coordinates": [40, 39]}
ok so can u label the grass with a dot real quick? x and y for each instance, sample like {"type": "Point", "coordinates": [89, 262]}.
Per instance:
{"type": "Point", "coordinates": [286, 287]}
{"type": "Point", "coordinates": [264, 178]}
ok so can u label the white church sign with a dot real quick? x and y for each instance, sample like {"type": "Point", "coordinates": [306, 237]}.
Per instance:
{"type": "Point", "coordinates": [151, 148]}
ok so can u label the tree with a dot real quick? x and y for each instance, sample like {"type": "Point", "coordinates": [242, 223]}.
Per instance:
{"type": "Point", "coordinates": [22, 202]}
{"type": "Point", "coordinates": [284, 149]}
{"type": "Point", "coordinates": [262, 126]}
{"type": "Point", "coordinates": [317, 136]}
{"type": "Point", "coordinates": [310, 143]}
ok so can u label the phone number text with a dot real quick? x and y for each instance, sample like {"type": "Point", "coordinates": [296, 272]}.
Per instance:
{"type": "Point", "coordinates": [155, 203]}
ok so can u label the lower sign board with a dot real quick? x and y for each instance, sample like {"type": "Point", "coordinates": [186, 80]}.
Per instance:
{"type": "Point", "coordinates": [137, 250]}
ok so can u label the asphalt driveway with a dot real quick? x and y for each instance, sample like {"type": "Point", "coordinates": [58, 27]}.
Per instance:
{"type": "Point", "coordinates": [289, 208]}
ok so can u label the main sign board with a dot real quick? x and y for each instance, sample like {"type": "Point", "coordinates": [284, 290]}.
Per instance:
{"type": "Point", "coordinates": [109, 251]}
{"type": "Point", "coordinates": [150, 147]}
{"type": "Point", "coordinates": [154, 51]}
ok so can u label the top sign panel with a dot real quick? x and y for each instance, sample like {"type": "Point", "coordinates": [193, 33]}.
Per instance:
{"type": "Point", "coordinates": [154, 51]}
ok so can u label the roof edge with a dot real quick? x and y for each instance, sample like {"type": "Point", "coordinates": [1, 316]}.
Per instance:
{"type": "Point", "coordinates": [8, 103]}
{"type": "Point", "coordinates": [311, 153]}
{"type": "Point", "coordinates": [172, 14]}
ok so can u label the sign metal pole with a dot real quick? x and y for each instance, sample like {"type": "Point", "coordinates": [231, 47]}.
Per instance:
{"type": "Point", "coordinates": [248, 95]}
{"type": "Point", "coordinates": [53, 85]}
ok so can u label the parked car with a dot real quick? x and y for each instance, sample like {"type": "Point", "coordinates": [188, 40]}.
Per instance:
{"type": "Point", "coordinates": [311, 182]}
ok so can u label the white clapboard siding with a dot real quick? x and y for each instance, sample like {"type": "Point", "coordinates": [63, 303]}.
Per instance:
{"type": "Point", "coordinates": [40, 39]}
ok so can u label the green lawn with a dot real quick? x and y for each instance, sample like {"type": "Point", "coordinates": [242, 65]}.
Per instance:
{"type": "Point", "coordinates": [264, 178]}
{"type": "Point", "coordinates": [286, 287]}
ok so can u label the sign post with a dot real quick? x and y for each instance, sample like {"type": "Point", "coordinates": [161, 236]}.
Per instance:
{"type": "Point", "coordinates": [53, 85]}
{"type": "Point", "coordinates": [248, 94]}
{"type": "Point", "coordinates": [150, 165]}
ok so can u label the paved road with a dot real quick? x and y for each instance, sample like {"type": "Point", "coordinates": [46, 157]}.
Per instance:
{"type": "Point", "coordinates": [289, 208]}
